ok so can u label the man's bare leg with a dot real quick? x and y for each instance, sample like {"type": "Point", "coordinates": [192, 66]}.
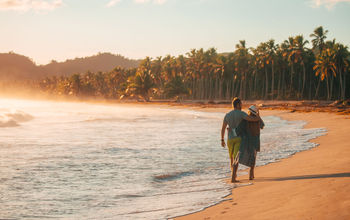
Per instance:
{"type": "Point", "coordinates": [234, 174]}
{"type": "Point", "coordinates": [231, 164]}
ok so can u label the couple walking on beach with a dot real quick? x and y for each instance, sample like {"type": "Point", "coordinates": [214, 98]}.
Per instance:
{"type": "Point", "coordinates": [243, 140]}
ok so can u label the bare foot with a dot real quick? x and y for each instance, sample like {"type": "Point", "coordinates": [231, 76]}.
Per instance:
{"type": "Point", "coordinates": [251, 174]}
{"type": "Point", "coordinates": [234, 181]}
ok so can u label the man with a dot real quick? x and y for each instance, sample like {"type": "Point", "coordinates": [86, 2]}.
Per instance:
{"type": "Point", "coordinates": [232, 119]}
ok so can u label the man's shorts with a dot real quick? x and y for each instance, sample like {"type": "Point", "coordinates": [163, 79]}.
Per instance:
{"type": "Point", "coordinates": [233, 146]}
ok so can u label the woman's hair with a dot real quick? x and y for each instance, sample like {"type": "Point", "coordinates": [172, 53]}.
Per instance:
{"type": "Point", "coordinates": [251, 113]}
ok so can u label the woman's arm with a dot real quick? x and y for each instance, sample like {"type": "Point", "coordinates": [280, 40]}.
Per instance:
{"type": "Point", "coordinates": [262, 124]}
{"type": "Point", "coordinates": [241, 128]}
{"type": "Point", "coordinates": [252, 118]}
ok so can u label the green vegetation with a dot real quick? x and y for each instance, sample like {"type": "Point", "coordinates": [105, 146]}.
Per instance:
{"type": "Point", "coordinates": [289, 70]}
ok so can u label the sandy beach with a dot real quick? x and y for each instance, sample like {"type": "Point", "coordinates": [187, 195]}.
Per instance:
{"type": "Point", "coordinates": [313, 184]}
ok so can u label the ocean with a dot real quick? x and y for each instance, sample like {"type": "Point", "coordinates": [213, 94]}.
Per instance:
{"type": "Point", "coordinates": [66, 160]}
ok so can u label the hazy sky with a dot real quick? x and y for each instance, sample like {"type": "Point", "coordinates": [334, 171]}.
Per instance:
{"type": "Point", "coordinates": [60, 29]}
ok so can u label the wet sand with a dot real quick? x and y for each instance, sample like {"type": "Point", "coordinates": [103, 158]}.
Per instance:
{"type": "Point", "coordinates": [313, 184]}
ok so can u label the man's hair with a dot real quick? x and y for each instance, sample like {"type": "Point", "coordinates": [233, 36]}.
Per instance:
{"type": "Point", "coordinates": [235, 102]}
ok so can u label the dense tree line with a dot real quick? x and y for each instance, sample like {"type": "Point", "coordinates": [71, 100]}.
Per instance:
{"type": "Point", "coordinates": [289, 70]}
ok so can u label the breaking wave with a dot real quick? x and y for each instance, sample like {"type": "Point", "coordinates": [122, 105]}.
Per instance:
{"type": "Point", "coordinates": [172, 176]}
{"type": "Point", "coordinates": [14, 118]}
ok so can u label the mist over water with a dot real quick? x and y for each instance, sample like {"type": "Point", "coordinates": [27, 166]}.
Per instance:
{"type": "Point", "coordinates": [88, 161]}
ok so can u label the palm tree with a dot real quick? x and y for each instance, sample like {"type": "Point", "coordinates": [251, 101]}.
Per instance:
{"type": "Point", "coordinates": [75, 83]}
{"type": "Point", "coordinates": [271, 57]}
{"type": "Point", "coordinates": [342, 63]}
{"type": "Point", "coordinates": [300, 53]}
{"type": "Point", "coordinates": [99, 83]}
{"type": "Point", "coordinates": [319, 36]}
{"type": "Point", "coordinates": [157, 74]}
{"type": "Point", "coordinates": [88, 88]}
{"type": "Point", "coordinates": [242, 57]}
{"type": "Point", "coordinates": [325, 66]}
{"type": "Point", "coordinates": [282, 65]}
{"type": "Point", "coordinates": [262, 60]}
{"type": "Point", "coordinates": [143, 81]}
{"type": "Point", "coordinates": [192, 71]}
{"type": "Point", "coordinates": [220, 76]}
{"type": "Point", "coordinates": [290, 54]}
{"type": "Point", "coordinates": [175, 87]}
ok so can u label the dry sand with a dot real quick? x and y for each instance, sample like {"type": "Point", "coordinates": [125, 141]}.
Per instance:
{"type": "Point", "coordinates": [313, 184]}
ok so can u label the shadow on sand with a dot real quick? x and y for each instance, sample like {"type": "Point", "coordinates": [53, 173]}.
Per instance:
{"type": "Point", "coordinates": [317, 176]}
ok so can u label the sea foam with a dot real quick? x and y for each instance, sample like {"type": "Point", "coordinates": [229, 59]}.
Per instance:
{"type": "Point", "coordinates": [13, 118]}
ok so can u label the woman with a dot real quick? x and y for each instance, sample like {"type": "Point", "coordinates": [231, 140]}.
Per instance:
{"type": "Point", "coordinates": [249, 131]}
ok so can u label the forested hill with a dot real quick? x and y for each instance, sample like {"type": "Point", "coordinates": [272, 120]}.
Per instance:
{"type": "Point", "coordinates": [15, 66]}
{"type": "Point", "coordinates": [100, 62]}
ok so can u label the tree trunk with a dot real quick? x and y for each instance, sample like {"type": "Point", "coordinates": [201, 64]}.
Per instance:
{"type": "Point", "coordinates": [203, 89]}
{"type": "Point", "coordinates": [344, 87]}
{"type": "Point", "coordinates": [279, 86]}
{"type": "Point", "coordinates": [255, 81]}
{"type": "Point", "coordinates": [245, 85]}
{"type": "Point", "coordinates": [298, 81]}
{"type": "Point", "coordinates": [283, 83]}
{"type": "Point", "coordinates": [304, 79]}
{"type": "Point", "coordinates": [291, 79]}
{"type": "Point", "coordinates": [193, 88]}
{"type": "Point", "coordinates": [237, 89]}
{"type": "Point", "coordinates": [267, 84]}
{"type": "Point", "coordinates": [331, 90]}
{"type": "Point", "coordinates": [196, 88]}
{"type": "Point", "coordinates": [199, 88]}
{"type": "Point", "coordinates": [327, 81]}
{"type": "Point", "coordinates": [220, 89]}
{"type": "Point", "coordinates": [273, 82]}
{"type": "Point", "coordinates": [317, 88]}
{"type": "Point", "coordinates": [310, 88]}
{"type": "Point", "coordinates": [233, 88]}
{"type": "Point", "coordinates": [206, 80]}
{"type": "Point", "coordinates": [216, 92]}
{"type": "Point", "coordinates": [210, 85]}
{"type": "Point", "coordinates": [341, 84]}
{"type": "Point", "coordinates": [227, 96]}
{"type": "Point", "coordinates": [210, 88]}
{"type": "Point", "coordinates": [241, 88]}
{"type": "Point", "coordinates": [262, 94]}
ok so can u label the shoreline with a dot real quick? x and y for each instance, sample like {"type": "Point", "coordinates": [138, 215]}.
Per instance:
{"type": "Point", "coordinates": [210, 105]}
{"type": "Point", "coordinates": [246, 170]}
{"type": "Point", "coordinates": [279, 180]}
{"type": "Point", "coordinates": [317, 185]}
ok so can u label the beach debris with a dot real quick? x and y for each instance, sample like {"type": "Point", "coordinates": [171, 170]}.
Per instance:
{"type": "Point", "coordinates": [336, 103]}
